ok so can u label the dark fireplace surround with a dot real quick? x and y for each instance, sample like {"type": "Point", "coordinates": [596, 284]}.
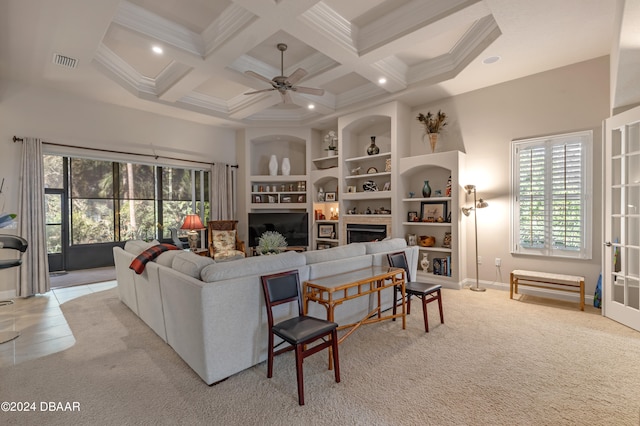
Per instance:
{"type": "Point", "coordinates": [361, 233]}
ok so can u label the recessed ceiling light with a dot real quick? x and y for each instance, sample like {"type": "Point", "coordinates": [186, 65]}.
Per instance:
{"type": "Point", "coordinates": [491, 60]}
{"type": "Point", "coordinates": [382, 80]}
{"type": "Point", "coordinates": [311, 106]}
{"type": "Point", "coordinates": [157, 50]}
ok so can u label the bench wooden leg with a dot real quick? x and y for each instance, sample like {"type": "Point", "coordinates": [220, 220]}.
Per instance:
{"type": "Point", "coordinates": [582, 295]}
{"type": "Point", "coordinates": [511, 282]}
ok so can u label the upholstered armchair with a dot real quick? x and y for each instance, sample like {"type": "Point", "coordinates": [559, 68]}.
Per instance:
{"type": "Point", "coordinates": [224, 243]}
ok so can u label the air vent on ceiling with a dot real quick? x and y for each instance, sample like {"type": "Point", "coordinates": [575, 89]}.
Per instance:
{"type": "Point", "coordinates": [64, 61]}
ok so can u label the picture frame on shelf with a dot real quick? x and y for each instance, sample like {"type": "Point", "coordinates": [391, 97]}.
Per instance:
{"type": "Point", "coordinates": [412, 217]}
{"type": "Point", "coordinates": [325, 231]}
{"type": "Point", "coordinates": [433, 211]}
{"type": "Point", "coordinates": [257, 199]}
{"type": "Point", "coordinates": [330, 196]}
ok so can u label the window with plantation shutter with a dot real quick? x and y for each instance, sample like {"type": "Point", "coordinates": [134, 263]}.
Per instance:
{"type": "Point", "coordinates": [551, 203]}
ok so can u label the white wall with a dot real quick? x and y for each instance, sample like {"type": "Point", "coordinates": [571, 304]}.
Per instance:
{"type": "Point", "coordinates": [483, 123]}
{"type": "Point", "coordinates": [60, 118]}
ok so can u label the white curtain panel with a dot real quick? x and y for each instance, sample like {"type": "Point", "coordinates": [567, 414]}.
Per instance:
{"type": "Point", "coordinates": [223, 202]}
{"type": "Point", "coordinates": [34, 272]}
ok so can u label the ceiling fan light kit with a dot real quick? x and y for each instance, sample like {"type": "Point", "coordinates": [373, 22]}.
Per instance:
{"type": "Point", "coordinates": [284, 84]}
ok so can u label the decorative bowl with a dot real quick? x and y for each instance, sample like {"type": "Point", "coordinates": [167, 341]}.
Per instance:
{"type": "Point", "coordinates": [426, 241]}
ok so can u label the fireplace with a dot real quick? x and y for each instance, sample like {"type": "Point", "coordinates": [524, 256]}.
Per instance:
{"type": "Point", "coordinates": [361, 233]}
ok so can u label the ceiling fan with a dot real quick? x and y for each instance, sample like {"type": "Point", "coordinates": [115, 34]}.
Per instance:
{"type": "Point", "coordinates": [285, 84]}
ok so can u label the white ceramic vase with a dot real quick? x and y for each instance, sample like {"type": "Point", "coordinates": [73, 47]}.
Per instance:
{"type": "Point", "coordinates": [286, 166]}
{"type": "Point", "coordinates": [273, 165]}
{"type": "Point", "coordinates": [424, 263]}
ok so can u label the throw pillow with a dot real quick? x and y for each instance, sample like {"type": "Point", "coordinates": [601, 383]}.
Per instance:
{"type": "Point", "coordinates": [223, 240]}
{"type": "Point", "coordinates": [138, 264]}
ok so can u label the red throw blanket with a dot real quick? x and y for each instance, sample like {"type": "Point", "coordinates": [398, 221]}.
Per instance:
{"type": "Point", "coordinates": [151, 253]}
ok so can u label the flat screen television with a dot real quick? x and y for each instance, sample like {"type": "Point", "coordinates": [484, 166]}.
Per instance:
{"type": "Point", "coordinates": [294, 227]}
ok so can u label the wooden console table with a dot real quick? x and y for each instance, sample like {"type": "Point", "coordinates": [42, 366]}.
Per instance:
{"type": "Point", "coordinates": [331, 291]}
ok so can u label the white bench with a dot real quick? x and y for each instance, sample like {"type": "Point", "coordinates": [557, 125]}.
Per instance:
{"type": "Point", "coordinates": [570, 283]}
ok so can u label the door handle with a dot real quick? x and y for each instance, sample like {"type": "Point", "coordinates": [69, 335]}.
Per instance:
{"type": "Point", "coordinates": [608, 244]}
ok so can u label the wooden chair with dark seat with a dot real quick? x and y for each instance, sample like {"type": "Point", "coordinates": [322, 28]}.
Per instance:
{"type": "Point", "coordinates": [20, 245]}
{"type": "Point", "coordinates": [224, 243]}
{"type": "Point", "coordinates": [426, 292]}
{"type": "Point", "coordinates": [298, 331]}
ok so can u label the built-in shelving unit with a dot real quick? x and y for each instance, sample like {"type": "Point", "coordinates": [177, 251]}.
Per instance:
{"type": "Point", "coordinates": [443, 171]}
{"type": "Point", "coordinates": [283, 192]}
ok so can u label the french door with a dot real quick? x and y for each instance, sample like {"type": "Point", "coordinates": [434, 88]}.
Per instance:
{"type": "Point", "coordinates": [621, 269]}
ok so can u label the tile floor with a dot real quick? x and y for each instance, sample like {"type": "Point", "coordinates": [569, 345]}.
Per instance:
{"type": "Point", "coordinates": [43, 329]}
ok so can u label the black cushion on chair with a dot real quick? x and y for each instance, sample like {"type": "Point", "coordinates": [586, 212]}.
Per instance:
{"type": "Point", "coordinates": [298, 329]}
{"type": "Point", "coordinates": [418, 288]}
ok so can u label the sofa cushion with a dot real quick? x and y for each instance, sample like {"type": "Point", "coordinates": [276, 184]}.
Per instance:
{"type": "Point", "coordinates": [223, 240]}
{"type": "Point", "coordinates": [334, 253]}
{"type": "Point", "coordinates": [136, 247]}
{"type": "Point", "coordinates": [190, 263]}
{"type": "Point", "coordinates": [166, 258]}
{"type": "Point", "coordinates": [384, 246]}
{"type": "Point", "coordinates": [254, 265]}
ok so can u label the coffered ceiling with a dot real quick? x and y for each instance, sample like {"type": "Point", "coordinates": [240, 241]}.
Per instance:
{"type": "Point", "coordinates": [425, 49]}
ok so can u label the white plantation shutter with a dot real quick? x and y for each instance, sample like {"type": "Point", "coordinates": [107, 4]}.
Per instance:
{"type": "Point", "coordinates": [551, 207]}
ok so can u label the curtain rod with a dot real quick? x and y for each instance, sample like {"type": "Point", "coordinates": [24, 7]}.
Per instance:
{"type": "Point", "coordinates": [17, 139]}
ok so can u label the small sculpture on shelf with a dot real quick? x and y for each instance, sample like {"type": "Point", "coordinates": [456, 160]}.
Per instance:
{"type": "Point", "coordinates": [369, 186]}
{"type": "Point", "coordinates": [332, 140]}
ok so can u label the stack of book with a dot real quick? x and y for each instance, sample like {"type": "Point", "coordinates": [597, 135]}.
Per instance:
{"type": "Point", "coordinates": [442, 266]}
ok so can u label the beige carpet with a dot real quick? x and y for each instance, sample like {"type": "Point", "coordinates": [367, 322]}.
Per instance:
{"type": "Point", "coordinates": [494, 362]}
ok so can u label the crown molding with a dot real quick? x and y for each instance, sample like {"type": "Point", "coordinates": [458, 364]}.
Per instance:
{"type": "Point", "coordinates": [149, 24]}
{"type": "Point", "coordinates": [231, 21]}
{"type": "Point", "coordinates": [122, 73]}
{"type": "Point", "coordinates": [331, 25]}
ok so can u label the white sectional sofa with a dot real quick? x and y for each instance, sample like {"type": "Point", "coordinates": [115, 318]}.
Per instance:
{"type": "Point", "coordinates": [213, 314]}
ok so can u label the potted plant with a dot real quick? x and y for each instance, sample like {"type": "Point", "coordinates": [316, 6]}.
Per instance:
{"type": "Point", "coordinates": [433, 123]}
{"type": "Point", "coordinates": [271, 242]}
{"type": "Point", "coordinates": [332, 140]}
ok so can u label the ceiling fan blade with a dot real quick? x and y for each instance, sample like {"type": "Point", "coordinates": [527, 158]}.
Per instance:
{"type": "Point", "coordinates": [309, 90]}
{"type": "Point", "coordinates": [296, 76]}
{"type": "Point", "coordinates": [259, 77]}
{"type": "Point", "coordinates": [286, 97]}
{"type": "Point", "coordinates": [260, 91]}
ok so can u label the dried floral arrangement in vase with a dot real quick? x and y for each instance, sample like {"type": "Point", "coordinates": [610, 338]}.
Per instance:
{"type": "Point", "coordinates": [433, 124]}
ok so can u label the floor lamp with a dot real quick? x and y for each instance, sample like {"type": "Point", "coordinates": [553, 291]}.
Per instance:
{"type": "Point", "coordinates": [467, 211]}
